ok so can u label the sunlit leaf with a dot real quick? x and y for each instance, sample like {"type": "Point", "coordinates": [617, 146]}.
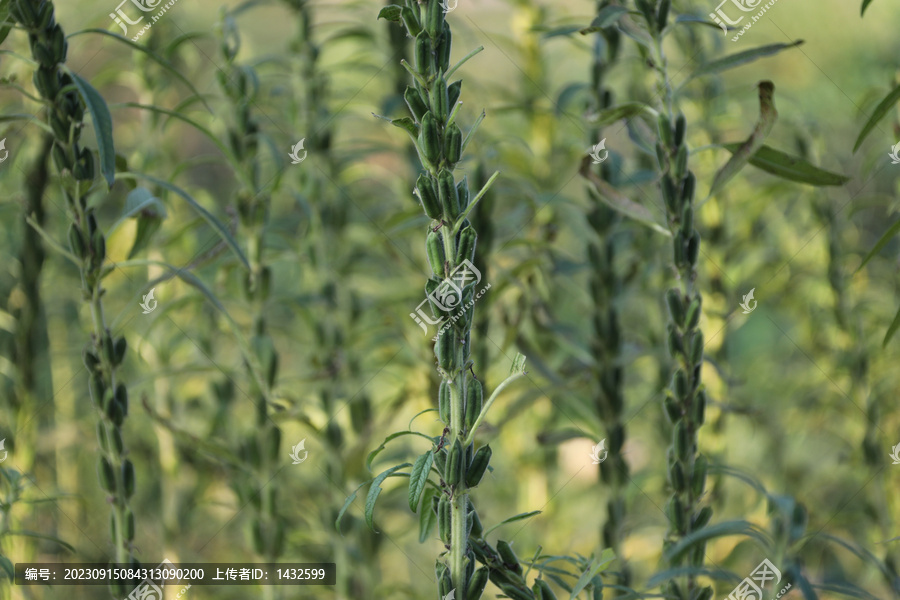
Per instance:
{"type": "Point", "coordinates": [606, 17]}
{"type": "Point", "coordinates": [375, 491]}
{"type": "Point", "coordinates": [103, 125]}
{"type": "Point", "coordinates": [417, 478]}
{"type": "Point", "coordinates": [619, 201]}
{"type": "Point", "coordinates": [792, 168]}
{"type": "Point", "coordinates": [880, 111]}
{"type": "Point", "coordinates": [741, 156]}
{"type": "Point", "coordinates": [741, 58]}
{"type": "Point", "coordinates": [710, 532]}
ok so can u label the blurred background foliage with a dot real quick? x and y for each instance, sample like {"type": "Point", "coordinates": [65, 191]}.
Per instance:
{"type": "Point", "coordinates": [803, 396]}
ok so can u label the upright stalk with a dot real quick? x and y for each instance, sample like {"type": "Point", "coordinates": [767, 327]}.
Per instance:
{"type": "Point", "coordinates": [450, 246]}
{"type": "Point", "coordinates": [65, 115]}
{"type": "Point", "coordinates": [253, 204]}
{"type": "Point", "coordinates": [685, 401]}
{"type": "Point", "coordinates": [606, 346]}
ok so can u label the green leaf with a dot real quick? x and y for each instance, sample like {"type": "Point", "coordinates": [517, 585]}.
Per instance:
{"type": "Point", "coordinates": [375, 491]}
{"type": "Point", "coordinates": [518, 365]}
{"type": "Point", "coordinates": [619, 201]}
{"type": "Point", "coordinates": [7, 567]}
{"type": "Point", "coordinates": [560, 436]}
{"type": "Point", "coordinates": [862, 10]}
{"type": "Point", "coordinates": [595, 566]}
{"type": "Point", "coordinates": [881, 243]}
{"type": "Point", "coordinates": [149, 212]}
{"type": "Point", "coordinates": [391, 13]}
{"type": "Point", "coordinates": [740, 58]}
{"type": "Point", "coordinates": [417, 478]}
{"type": "Point", "coordinates": [389, 438]}
{"type": "Point", "coordinates": [792, 168]}
{"type": "Point", "coordinates": [606, 17]}
{"type": "Point", "coordinates": [895, 324]}
{"type": "Point", "coordinates": [404, 123]}
{"type": "Point", "coordinates": [347, 503]}
{"type": "Point", "coordinates": [427, 518]}
{"type": "Point", "coordinates": [880, 111]}
{"type": "Point", "coordinates": [709, 532]}
{"type": "Point", "coordinates": [5, 29]}
{"type": "Point", "coordinates": [207, 216]}
{"type": "Point", "coordinates": [41, 536]}
{"type": "Point", "coordinates": [740, 157]}
{"type": "Point", "coordinates": [518, 517]}
{"type": "Point", "coordinates": [623, 111]}
{"type": "Point", "coordinates": [103, 125]}
{"type": "Point", "coordinates": [153, 56]}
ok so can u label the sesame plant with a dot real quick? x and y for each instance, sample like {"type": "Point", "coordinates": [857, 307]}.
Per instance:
{"type": "Point", "coordinates": [67, 97]}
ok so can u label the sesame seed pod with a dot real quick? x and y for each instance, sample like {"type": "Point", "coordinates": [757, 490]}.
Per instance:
{"type": "Point", "coordinates": [477, 527]}
{"type": "Point", "coordinates": [76, 241]}
{"type": "Point", "coordinates": [129, 525]}
{"type": "Point", "coordinates": [682, 442]}
{"type": "Point", "coordinates": [678, 249]}
{"type": "Point", "coordinates": [665, 130]}
{"type": "Point", "coordinates": [676, 345]}
{"type": "Point", "coordinates": [662, 158]}
{"type": "Point", "coordinates": [698, 479]}
{"type": "Point", "coordinates": [121, 398]}
{"type": "Point", "coordinates": [428, 196]}
{"type": "Point", "coordinates": [448, 194]}
{"type": "Point", "coordinates": [424, 55]}
{"type": "Point", "coordinates": [680, 126]}
{"type": "Point", "coordinates": [434, 246]}
{"type": "Point", "coordinates": [688, 188]}
{"type": "Point", "coordinates": [445, 584]}
{"type": "Point", "coordinates": [673, 409]}
{"type": "Point", "coordinates": [693, 249]}
{"type": "Point", "coordinates": [119, 351]}
{"type": "Point", "coordinates": [669, 195]}
{"type": "Point", "coordinates": [444, 518]}
{"type": "Point", "coordinates": [462, 191]}
{"type": "Point", "coordinates": [451, 474]}
{"type": "Point", "coordinates": [453, 92]}
{"type": "Point", "coordinates": [676, 306]}
{"type": "Point", "coordinates": [107, 475]}
{"type": "Point", "coordinates": [542, 590]}
{"type": "Point", "coordinates": [445, 349]}
{"type": "Point", "coordinates": [680, 164]}
{"type": "Point", "coordinates": [698, 409]}
{"type": "Point", "coordinates": [479, 466]}
{"type": "Point", "coordinates": [680, 384]}
{"type": "Point", "coordinates": [474, 402]}
{"type": "Point", "coordinates": [440, 460]}
{"type": "Point", "coordinates": [705, 593]}
{"type": "Point", "coordinates": [128, 478]}
{"type": "Point", "coordinates": [434, 18]}
{"type": "Point", "coordinates": [444, 401]}
{"type": "Point", "coordinates": [453, 139]}
{"type": "Point", "coordinates": [675, 512]}
{"type": "Point", "coordinates": [662, 15]}
{"type": "Point", "coordinates": [508, 556]}
{"type": "Point", "coordinates": [430, 137]}
{"type": "Point", "coordinates": [443, 48]}
{"type": "Point", "coordinates": [439, 99]}
{"type": "Point", "coordinates": [696, 348]}
{"type": "Point", "coordinates": [410, 21]}
{"type": "Point", "coordinates": [414, 102]}
{"type": "Point", "coordinates": [700, 520]}
{"type": "Point", "coordinates": [687, 219]}
{"type": "Point", "coordinates": [676, 478]}
{"type": "Point", "coordinates": [466, 247]}
{"type": "Point", "coordinates": [477, 583]}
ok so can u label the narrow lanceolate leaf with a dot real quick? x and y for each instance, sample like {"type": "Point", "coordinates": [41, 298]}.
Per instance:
{"type": "Point", "coordinates": [427, 518]}
{"type": "Point", "coordinates": [606, 17]}
{"type": "Point", "coordinates": [623, 111]}
{"type": "Point", "coordinates": [882, 242]}
{"type": "Point", "coordinates": [375, 491]}
{"type": "Point", "coordinates": [619, 201]}
{"type": "Point", "coordinates": [710, 532]}
{"type": "Point", "coordinates": [880, 111]}
{"type": "Point", "coordinates": [518, 517]}
{"type": "Point", "coordinates": [4, 31]}
{"type": "Point", "coordinates": [103, 125]}
{"type": "Point", "coordinates": [895, 324]}
{"type": "Point", "coordinates": [741, 58]}
{"type": "Point", "coordinates": [391, 13]}
{"type": "Point", "coordinates": [418, 478]}
{"type": "Point", "coordinates": [767, 116]}
{"type": "Point", "coordinates": [596, 565]}
{"type": "Point", "coordinates": [389, 438]}
{"type": "Point", "coordinates": [792, 168]}
{"type": "Point", "coordinates": [404, 123]}
{"type": "Point", "coordinates": [207, 216]}
{"type": "Point", "coordinates": [862, 10]}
